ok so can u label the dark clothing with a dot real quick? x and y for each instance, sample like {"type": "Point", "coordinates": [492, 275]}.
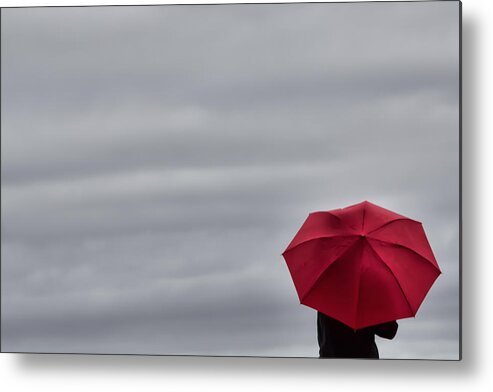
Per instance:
{"type": "Point", "coordinates": [337, 340]}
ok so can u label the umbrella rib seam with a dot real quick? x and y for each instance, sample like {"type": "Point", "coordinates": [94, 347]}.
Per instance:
{"type": "Point", "coordinates": [395, 277]}
{"type": "Point", "coordinates": [392, 221]}
{"type": "Point", "coordinates": [342, 221]}
{"type": "Point", "coordinates": [409, 249]}
{"type": "Point", "coordinates": [325, 271]}
{"type": "Point", "coordinates": [318, 238]}
{"type": "Point", "coordinates": [356, 307]}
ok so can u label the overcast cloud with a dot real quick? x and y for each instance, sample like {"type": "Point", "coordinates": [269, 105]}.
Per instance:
{"type": "Point", "coordinates": [157, 160]}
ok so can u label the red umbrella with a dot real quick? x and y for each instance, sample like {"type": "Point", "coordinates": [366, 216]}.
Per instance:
{"type": "Point", "coordinates": [362, 265]}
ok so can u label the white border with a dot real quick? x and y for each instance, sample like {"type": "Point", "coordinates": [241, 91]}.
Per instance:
{"type": "Point", "coordinates": [127, 373]}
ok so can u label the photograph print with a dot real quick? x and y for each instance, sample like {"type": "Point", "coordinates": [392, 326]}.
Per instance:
{"type": "Point", "coordinates": [253, 180]}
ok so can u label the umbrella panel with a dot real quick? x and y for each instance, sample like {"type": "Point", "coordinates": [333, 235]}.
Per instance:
{"type": "Point", "coordinates": [359, 290]}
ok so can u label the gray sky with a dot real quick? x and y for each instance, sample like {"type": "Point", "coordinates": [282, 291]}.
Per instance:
{"type": "Point", "coordinates": [156, 161]}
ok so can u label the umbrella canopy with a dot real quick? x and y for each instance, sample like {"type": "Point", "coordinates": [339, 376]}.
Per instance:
{"type": "Point", "coordinates": [362, 265]}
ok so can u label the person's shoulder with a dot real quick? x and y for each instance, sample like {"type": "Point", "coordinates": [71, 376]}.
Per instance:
{"type": "Point", "coordinates": [387, 330]}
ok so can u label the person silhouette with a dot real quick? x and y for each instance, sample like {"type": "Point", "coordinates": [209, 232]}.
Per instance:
{"type": "Point", "coordinates": [337, 340]}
